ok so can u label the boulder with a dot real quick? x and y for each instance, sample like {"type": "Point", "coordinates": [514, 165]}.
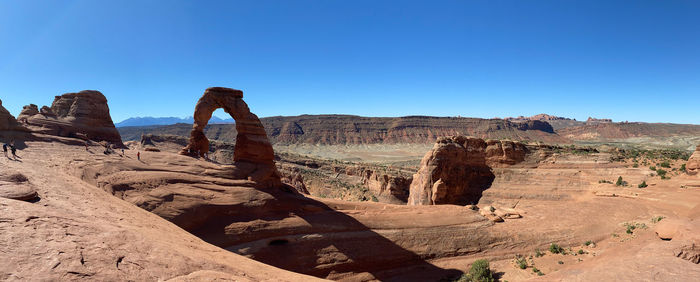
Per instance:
{"type": "Point", "coordinates": [453, 172]}
{"type": "Point", "coordinates": [253, 156]}
{"type": "Point", "coordinates": [693, 165]}
{"type": "Point", "coordinates": [16, 186]}
{"type": "Point", "coordinates": [77, 115]}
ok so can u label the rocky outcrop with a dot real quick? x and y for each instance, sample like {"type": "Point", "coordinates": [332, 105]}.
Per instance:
{"type": "Point", "coordinates": [8, 122]}
{"type": "Point", "coordinates": [693, 165]}
{"type": "Point", "coordinates": [387, 188]}
{"type": "Point", "coordinates": [504, 152]}
{"type": "Point", "coordinates": [453, 172]}
{"type": "Point", "coordinates": [253, 156]}
{"type": "Point", "coordinates": [82, 115]}
{"type": "Point", "coordinates": [292, 176]}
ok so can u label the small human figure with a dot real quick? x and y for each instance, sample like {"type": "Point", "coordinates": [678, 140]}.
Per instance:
{"type": "Point", "coordinates": [4, 149]}
{"type": "Point", "coordinates": [138, 156]}
{"type": "Point", "coordinates": [14, 151]}
{"type": "Point", "coordinates": [86, 146]}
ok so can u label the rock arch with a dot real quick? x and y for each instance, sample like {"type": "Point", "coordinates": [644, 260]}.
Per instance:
{"type": "Point", "coordinates": [253, 154]}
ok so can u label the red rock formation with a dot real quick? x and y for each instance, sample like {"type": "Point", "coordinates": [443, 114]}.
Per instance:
{"type": "Point", "coordinates": [693, 165]}
{"type": "Point", "coordinates": [8, 122]}
{"type": "Point", "coordinates": [253, 155]}
{"type": "Point", "coordinates": [504, 152]}
{"type": "Point", "coordinates": [453, 172]}
{"type": "Point", "coordinates": [79, 115]}
{"type": "Point", "coordinates": [387, 188]}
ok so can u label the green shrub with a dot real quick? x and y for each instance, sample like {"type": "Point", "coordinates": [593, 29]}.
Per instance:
{"type": "Point", "coordinates": [620, 182]}
{"type": "Point", "coordinates": [538, 253]}
{"type": "Point", "coordinates": [605, 181]}
{"type": "Point", "coordinates": [656, 219]}
{"type": "Point", "coordinates": [535, 270]}
{"type": "Point", "coordinates": [665, 164]}
{"type": "Point", "coordinates": [560, 262]}
{"type": "Point", "coordinates": [642, 185]}
{"type": "Point", "coordinates": [661, 173]}
{"type": "Point", "coordinates": [652, 168]}
{"type": "Point", "coordinates": [683, 168]}
{"type": "Point", "coordinates": [521, 262]}
{"type": "Point", "coordinates": [580, 251]}
{"type": "Point", "coordinates": [588, 243]}
{"type": "Point", "coordinates": [555, 249]}
{"type": "Point", "coordinates": [480, 271]}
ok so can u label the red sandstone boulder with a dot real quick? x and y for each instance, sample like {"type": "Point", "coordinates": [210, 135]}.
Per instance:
{"type": "Point", "coordinates": [78, 115]}
{"type": "Point", "coordinates": [693, 165]}
{"type": "Point", "coordinates": [453, 172]}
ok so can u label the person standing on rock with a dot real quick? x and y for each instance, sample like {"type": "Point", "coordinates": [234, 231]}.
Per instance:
{"type": "Point", "coordinates": [138, 156]}
{"type": "Point", "coordinates": [14, 151]}
{"type": "Point", "coordinates": [4, 149]}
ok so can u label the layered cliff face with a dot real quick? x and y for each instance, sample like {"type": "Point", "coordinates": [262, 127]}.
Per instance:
{"type": "Point", "coordinates": [338, 129]}
{"type": "Point", "coordinates": [82, 115]}
{"type": "Point", "coordinates": [344, 129]}
{"type": "Point", "coordinates": [693, 165]}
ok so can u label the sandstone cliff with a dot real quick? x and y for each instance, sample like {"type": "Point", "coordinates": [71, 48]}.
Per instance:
{"type": "Point", "coordinates": [344, 129]}
{"type": "Point", "coordinates": [82, 115]}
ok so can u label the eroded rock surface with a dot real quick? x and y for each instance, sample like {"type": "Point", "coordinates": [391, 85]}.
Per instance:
{"type": "Point", "coordinates": [693, 166]}
{"type": "Point", "coordinates": [505, 152]}
{"type": "Point", "coordinates": [453, 172]}
{"type": "Point", "coordinates": [82, 115]}
{"type": "Point", "coordinates": [253, 154]}
{"type": "Point", "coordinates": [8, 122]}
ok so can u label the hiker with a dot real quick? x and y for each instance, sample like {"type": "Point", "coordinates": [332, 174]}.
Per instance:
{"type": "Point", "coordinates": [14, 151]}
{"type": "Point", "coordinates": [138, 156]}
{"type": "Point", "coordinates": [86, 146]}
{"type": "Point", "coordinates": [4, 149]}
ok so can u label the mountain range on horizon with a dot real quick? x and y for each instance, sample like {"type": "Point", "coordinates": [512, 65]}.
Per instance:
{"type": "Point", "coordinates": [146, 121]}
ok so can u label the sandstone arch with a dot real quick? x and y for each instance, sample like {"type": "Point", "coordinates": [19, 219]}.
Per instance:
{"type": "Point", "coordinates": [253, 155]}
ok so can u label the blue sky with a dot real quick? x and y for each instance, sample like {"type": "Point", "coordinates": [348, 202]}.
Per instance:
{"type": "Point", "coordinates": [625, 60]}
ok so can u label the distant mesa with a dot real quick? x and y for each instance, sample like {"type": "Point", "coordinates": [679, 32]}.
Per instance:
{"type": "Point", "coordinates": [591, 120]}
{"type": "Point", "coordinates": [542, 117]}
{"type": "Point", "coordinates": [83, 115]}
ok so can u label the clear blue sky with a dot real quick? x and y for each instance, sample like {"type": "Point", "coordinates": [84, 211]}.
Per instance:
{"type": "Point", "coordinates": [625, 60]}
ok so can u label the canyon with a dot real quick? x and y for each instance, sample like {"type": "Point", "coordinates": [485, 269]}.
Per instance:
{"type": "Point", "coordinates": [243, 202]}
